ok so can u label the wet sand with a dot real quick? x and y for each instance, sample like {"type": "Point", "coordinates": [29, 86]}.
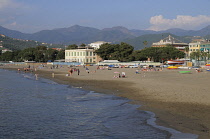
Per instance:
{"type": "Point", "coordinates": [180, 101]}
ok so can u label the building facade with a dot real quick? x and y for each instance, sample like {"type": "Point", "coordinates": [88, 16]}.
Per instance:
{"type": "Point", "coordinates": [84, 55]}
{"type": "Point", "coordinates": [171, 41]}
{"type": "Point", "coordinates": [202, 46]}
{"type": "Point", "coordinates": [205, 47]}
{"type": "Point", "coordinates": [194, 47]}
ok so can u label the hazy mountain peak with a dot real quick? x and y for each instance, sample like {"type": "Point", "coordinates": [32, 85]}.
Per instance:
{"type": "Point", "coordinates": [119, 28]}
{"type": "Point", "coordinates": [116, 28]}
{"type": "Point", "coordinates": [206, 28]}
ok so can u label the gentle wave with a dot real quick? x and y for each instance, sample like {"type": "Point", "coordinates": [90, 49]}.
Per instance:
{"type": "Point", "coordinates": [32, 108]}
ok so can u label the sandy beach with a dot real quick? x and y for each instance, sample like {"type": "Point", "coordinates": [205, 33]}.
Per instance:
{"type": "Point", "coordinates": [180, 101]}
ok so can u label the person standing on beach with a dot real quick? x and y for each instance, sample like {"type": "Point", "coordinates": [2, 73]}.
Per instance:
{"type": "Point", "coordinates": [78, 71]}
{"type": "Point", "coordinates": [70, 71]}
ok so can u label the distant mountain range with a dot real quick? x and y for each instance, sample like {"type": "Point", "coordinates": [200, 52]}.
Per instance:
{"type": "Point", "coordinates": [78, 34]}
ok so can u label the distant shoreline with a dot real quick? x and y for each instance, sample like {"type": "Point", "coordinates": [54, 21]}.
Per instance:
{"type": "Point", "coordinates": [180, 101]}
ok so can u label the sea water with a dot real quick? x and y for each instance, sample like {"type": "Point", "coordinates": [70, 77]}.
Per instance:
{"type": "Point", "coordinates": [38, 108]}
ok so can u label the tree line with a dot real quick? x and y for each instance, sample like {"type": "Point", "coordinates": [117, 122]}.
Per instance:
{"type": "Point", "coordinates": [38, 54]}
{"type": "Point", "coordinates": [122, 52]}
{"type": "Point", "coordinates": [125, 52]}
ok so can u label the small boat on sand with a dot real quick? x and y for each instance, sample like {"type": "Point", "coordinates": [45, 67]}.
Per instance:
{"type": "Point", "coordinates": [172, 67]}
{"type": "Point", "coordinates": [184, 71]}
{"type": "Point", "coordinates": [170, 62]}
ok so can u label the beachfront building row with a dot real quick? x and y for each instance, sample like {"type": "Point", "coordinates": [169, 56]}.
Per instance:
{"type": "Point", "coordinates": [200, 45]}
{"type": "Point", "coordinates": [84, 55]}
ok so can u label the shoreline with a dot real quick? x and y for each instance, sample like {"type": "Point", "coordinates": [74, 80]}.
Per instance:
{"type": "Point", "coordinates": [161, 92]}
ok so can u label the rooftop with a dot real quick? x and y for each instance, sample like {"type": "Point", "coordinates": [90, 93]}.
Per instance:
{"type": "Point", "coordinates": [169, 40]}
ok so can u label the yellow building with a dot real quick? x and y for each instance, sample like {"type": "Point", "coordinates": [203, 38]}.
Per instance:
{"type": "Point", "coordinates": [199, 45]}
{"type": "Point", "coordinates": [194, 47]}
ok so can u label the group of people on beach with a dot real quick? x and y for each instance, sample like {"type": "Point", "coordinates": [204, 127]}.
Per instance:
{"type": "Point", "coordinates": [120, 76]}
{"type": "Point", "coordinates": [71, 70]}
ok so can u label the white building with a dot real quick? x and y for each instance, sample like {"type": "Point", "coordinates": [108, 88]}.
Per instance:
{"type": "Point", "coordinates": [84, 55]}
{"type": "Point", "coordinates": [171, 41]}
{"type": "Point", "coordinates": [96, 45]}
{"type": "Point", "coordinates": [6, 50]}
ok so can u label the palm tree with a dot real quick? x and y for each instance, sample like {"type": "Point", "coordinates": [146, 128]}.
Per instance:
{"type": "Point", "coordinates": [204, 56]}
{"type": "Point", "coordinates": [186, 49]}
{"type": "Point", "coordinates": [196, 56]}
{"type": "Point", "coordinates": [145, 43]}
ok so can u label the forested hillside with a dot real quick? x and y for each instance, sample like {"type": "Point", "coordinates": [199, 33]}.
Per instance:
{"type": "Point", "coordinates": [18, 44]}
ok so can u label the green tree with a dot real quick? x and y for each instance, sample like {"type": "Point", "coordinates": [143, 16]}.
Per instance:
{"type": "Point", "coordinates": [119, 52]}
{"type": "Point", "coordinates": [40, 54]}
{"type": "Point", "coordinates": [73, 46]}
{"type": "Point", "coordinates": [41, 48]}
{"type": "Point", "coordinates": [204, 55]}
{"type": "Point", "coordinates": [156, 54]}
{"type": "Point", "coordinates": [7, 56]}
{"type": "Point", "coordinates": [105, 51]}
{"type": "Point", "coordinates": [195, 55]}
{"type": "Point", "coordinates": [125, 50]}
{"type": "Point", "coordinates": [28, 54]}
{"type": "Point", "coordinates": [50, 55]}
{"type": "Point", "coordinates": [83, 45]}
{"type": "Point", "coordinates": [138, 55]}
{"type": "Point", "coordinates": [61, 54]}
{"type": "Point", "coordinates": [186, 49]}
{"type": "Point", "coordinates": [170, 52]}
{"type": "Point", "coordinates": [152, 52]}
{"type": "Point", "coordinates": [145, 43]}
{"type": "Point", "coordinates": [17, 57]}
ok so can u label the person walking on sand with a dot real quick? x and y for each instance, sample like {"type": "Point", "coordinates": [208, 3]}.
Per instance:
{"type": "Point", "coordinates": [87, 70]}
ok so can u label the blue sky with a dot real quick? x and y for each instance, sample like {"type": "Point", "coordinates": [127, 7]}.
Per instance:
{"type": "Point", "coordinates": [31, 16]}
